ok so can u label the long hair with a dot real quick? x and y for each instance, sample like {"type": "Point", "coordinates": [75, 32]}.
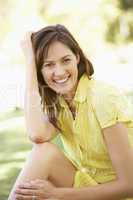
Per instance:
{"type": "Point", "coordinates": [41, 41]}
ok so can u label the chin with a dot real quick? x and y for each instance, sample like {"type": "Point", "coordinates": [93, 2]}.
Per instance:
{"type": "Point", "coordinates": [64, 92]}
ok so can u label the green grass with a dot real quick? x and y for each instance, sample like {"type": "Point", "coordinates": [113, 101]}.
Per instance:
{"type": "Point", "coordinates": [16, 112]}
{"type": "Point", "coordinates": [14, 146]}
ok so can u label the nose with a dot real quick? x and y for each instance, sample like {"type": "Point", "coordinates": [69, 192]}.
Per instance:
{"type": "Point", "coordinates": [59, 70]}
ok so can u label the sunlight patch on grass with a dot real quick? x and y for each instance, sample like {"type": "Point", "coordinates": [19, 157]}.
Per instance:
{"type": "Point", "coordinates": [9, 124]}
{"type": "Point", "coordinates": [6, 168]}
{"type": "Point", "coordinates": [20, 155]}
{"type": "Point", "coordinates": [16, 112]}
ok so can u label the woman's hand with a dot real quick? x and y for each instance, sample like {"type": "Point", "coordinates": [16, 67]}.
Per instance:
{"type": "Point", "coordinates": [37, 190]}
{"type": "Point", "coordinates": [26, 46]}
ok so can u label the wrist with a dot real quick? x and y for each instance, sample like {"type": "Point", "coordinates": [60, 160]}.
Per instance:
{"type": "Point", "coordinates": [59, 193]}
{"type": "Point", "coordinates": [30, 61]}
{"type": "Point", "coordinates": [29, 58]}
{"type": "Point", "coordinates": [64, 194]}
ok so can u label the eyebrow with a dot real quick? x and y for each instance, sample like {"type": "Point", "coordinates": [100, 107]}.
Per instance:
{"type": "Point", "coordinates": [46, 61]}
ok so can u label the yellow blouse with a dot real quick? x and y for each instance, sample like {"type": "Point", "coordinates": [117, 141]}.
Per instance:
{"type": "Point", "coordinates": [98, 105]}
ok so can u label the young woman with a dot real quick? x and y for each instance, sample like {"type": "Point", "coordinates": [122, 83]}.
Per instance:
{"type": "Point", "coordinates": [94, 120]}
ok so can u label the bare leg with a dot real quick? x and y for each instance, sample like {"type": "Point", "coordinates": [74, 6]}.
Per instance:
{"type": "Point", "coordinates": [46, 161]}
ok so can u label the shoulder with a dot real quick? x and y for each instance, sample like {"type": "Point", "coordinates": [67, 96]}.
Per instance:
{"type": "Point", "coordinates": [103, 90]}
{"type": "Point", "coordinates": [107, 95]}
{"type": "Point", "coordinates": [109, 103]}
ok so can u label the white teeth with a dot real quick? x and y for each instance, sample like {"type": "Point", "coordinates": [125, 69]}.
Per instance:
{"type": "Point", "coordinates": [61, 81]}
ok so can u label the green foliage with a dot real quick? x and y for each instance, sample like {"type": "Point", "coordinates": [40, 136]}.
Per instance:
{"type": "Point", "coordinates": [120, 30]}
{"type": "Point", "coordinates": [120, 26]}
{"type": "Point", "coordinates": [113, 31]}
{"type": "Point", "coordinates": [126, 4]}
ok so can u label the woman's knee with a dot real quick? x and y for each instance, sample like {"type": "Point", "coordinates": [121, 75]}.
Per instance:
{"type": "Point", "coordinates": [58, 168]}
{"type": "Point", "coordinates": [53, 155]}
{"type": "Point", "coordinates": [47, 149]}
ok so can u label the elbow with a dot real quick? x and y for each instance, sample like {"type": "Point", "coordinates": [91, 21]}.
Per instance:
{"type": "Point", "coordinates": [40, 135]}
{"type": "Point", "coordinates": [36, 138]}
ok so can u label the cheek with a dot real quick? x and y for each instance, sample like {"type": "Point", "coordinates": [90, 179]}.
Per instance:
{"type": "Point", "coordinates": [75, 69]}
{"type": "Point", "coordinates": [47, 76]}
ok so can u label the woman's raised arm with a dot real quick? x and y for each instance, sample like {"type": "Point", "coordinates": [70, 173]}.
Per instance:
{"type": "Point", "coordinates": [38, 126]}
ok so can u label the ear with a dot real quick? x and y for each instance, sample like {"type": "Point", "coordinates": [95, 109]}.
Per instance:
{"type": "Point", "coordinates": [78, 58]}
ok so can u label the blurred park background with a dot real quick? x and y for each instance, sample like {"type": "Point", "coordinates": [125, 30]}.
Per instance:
{"type": "Point", "coordinates": [104, 29]}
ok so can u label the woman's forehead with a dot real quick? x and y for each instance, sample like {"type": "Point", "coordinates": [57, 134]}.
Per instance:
{"type": "Point", "coordinates": [58, 50]}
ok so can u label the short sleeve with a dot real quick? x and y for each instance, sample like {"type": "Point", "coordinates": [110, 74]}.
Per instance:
{"type": "Point", "coordinates": [111, 106]}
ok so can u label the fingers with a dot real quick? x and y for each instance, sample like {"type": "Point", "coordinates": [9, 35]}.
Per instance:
{"type": "Point", "coordinates": [28, 34]}
{"type": "Point", "coordinates": [26, 192]}
{"type": "Point", "coordinates": [21, 197]}
{"type": "Point", "coordinates": [26, 41]}
{"type": "Point", "coordinates": [28, 186]}
{"type": "Point", "coordinates": [27, 47]}
{"type": "Point", "coordinates": [38, 188]}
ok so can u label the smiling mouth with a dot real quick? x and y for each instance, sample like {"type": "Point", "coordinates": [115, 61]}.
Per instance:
{"type": "Point", "coordinates": [61, 81]}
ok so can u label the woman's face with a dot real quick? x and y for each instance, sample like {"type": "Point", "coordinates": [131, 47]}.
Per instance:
{"type": "Point", "coordinates": [60, 70]}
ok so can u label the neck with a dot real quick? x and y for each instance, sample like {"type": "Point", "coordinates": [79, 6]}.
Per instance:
{"type": "Point", "coordinates": [69, 97]}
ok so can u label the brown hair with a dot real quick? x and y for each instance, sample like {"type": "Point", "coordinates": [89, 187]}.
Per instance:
{"type": "Point", "coordinates": [41, 41]}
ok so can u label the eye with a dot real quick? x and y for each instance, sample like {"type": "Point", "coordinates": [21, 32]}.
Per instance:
{"type": "Point", "coordinates": [67, 60]}
{"type": "Point", "coordinates": [47, 65]}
